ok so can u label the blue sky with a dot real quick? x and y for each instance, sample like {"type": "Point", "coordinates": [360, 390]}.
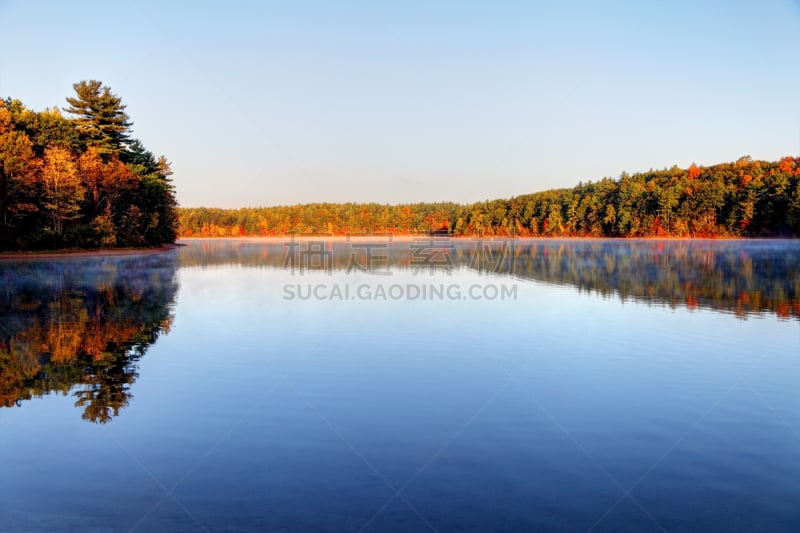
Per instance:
{"type": "Point", "coordinates": [266, 103]}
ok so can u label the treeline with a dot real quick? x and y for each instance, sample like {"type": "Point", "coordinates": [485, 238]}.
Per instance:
{"type": "Point", "coordinates": [746, 198]}
{"type": "Point", "coordinates": [80, 180]}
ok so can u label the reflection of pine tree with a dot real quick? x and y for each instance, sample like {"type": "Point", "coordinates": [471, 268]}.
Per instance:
{"type": "Point", "coordinates": [105, 388]}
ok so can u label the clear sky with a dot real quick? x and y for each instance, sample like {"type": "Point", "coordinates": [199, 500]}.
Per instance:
{"type": "Point", "coordinates": [265, 103]}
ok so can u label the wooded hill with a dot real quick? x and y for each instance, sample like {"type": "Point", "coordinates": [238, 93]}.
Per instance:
{"type": "Point", "coordinates": [746, 198]}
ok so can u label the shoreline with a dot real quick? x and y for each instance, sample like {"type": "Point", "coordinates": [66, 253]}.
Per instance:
{"type": "Point", "coordinates": [406, 237]}
{"type": "Point", "coordinates": [100, 252]}
{"type": "Point", "coordinates": [69, 253]}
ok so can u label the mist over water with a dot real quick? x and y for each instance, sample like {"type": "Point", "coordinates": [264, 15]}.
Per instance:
{"type": "Point", "coordinates": [740, 276]}
{"type": "Point", "coordinates": [627, 385]}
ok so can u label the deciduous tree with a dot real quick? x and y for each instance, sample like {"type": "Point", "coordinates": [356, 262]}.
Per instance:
{"type": "Point", "coordinates": [63, 190]}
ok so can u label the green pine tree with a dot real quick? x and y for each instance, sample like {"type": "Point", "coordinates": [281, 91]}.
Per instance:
{"type": "Point", "coordinates": [101, 118]}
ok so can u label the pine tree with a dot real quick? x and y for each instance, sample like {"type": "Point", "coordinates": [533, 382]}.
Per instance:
{"type": "Point", "coordinates": [101, 118]}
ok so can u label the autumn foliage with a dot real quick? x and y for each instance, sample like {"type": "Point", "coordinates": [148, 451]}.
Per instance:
{"type": "Point", "coordinates": [80, 181]}
{"type": "Point", "coordinates": [744, 198]}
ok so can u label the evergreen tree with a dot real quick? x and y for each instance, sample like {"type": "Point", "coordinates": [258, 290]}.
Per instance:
{"type": "Point", "coordinates": [101, 118]}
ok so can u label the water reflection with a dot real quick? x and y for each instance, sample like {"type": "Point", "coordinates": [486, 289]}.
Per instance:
{"type": "Point", "coordinates": [742, 277]}
{"type": "Point", "coordinates": [79, 325]}
{"type": "Point", "coordinates": [302, 415]}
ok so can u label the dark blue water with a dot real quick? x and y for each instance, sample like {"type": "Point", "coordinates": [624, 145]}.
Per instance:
{"type": "Point", "coordinates": [551, 386]}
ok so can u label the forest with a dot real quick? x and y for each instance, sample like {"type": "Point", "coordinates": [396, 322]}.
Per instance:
{"type": "Point", "coordinates": [746, 198]}
{"type": "Point", "coordinates": [80, 180]}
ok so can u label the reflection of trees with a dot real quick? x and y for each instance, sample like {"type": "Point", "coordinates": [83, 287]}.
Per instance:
{"type": "Point", "coordinates": [736, 276]}
{"type": "Point", "coordinates": [80, 325]}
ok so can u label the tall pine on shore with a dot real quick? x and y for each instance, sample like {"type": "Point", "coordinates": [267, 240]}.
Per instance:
{"type": "Point", "coordinates": [100, 117]}
{"type": "Point", "coordinates": [80, 180]}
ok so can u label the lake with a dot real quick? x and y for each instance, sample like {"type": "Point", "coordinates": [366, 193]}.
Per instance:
{"type": "Point", "coordinates": [417, 384]}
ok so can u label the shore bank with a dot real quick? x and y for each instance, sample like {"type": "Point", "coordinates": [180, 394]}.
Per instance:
{"type": "Point", "coordinates": [406, 237]}
{"type": "Point", "coordinates": [60, 254]}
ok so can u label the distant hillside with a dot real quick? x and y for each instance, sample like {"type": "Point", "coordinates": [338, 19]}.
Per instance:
{"type": "Point", "coordinates": [746, 198]}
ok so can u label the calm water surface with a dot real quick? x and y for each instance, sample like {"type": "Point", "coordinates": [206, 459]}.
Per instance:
{"type": "Point", "coordinates": [406, 386]}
